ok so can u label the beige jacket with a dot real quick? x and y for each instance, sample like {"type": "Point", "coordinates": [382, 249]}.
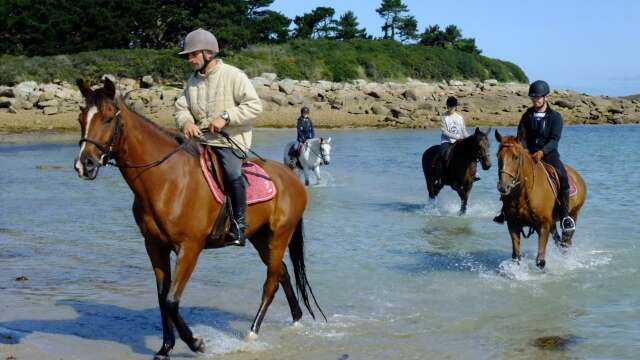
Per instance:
{"type": "Point", "coordinates": [224, 88]}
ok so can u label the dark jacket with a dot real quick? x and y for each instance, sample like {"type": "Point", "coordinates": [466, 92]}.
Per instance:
{"type": "Point", "coordinates": [305, 130]}
{"type": "Point", "coordinates": [544, 135]}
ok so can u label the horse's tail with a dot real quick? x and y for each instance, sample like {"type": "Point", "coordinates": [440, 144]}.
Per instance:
{"type": "Point", "coordinates": [296, 252]}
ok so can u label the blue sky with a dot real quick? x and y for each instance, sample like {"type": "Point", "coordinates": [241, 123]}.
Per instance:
{"type": "Point", "coordinates": [589, 46]}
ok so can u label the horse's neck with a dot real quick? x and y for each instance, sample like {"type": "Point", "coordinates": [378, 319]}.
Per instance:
{"type": "Point", "coordinates": [463, 150]}
{"type": "Point", "coordinates": [141, 142]}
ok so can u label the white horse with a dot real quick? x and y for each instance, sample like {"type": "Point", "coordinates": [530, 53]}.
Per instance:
{"type": "Point", "coordinates": [315, 152]}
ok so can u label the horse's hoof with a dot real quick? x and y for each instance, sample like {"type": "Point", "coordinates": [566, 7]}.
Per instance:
{"type": "Point", "coordinates": [541, 263]}
{"type": "Point", "coordinates": [161, 357]}
{"type": "Point", "coordinates": [296, 324]}
{"type": "Point", "coordinates": [197, 345]}
{"type": "Point", "coordinates": [251, 336]}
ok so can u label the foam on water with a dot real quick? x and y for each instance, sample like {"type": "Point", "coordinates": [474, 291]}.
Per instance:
{"type": "Point", "coordinates": [476, 209]}
{"type": "Point", "coordinates": [218, 342]}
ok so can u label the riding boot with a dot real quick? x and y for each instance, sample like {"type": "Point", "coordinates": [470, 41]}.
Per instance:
{"type": "Point", "coordinates": [567, 224]}
{"type": "Point", "coordinates": [237, 193]}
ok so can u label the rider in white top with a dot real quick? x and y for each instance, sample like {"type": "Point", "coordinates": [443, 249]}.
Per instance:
{"type": "Point", "coordinates": [453, 129]}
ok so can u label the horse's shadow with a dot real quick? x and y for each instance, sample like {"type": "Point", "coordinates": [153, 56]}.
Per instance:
{"type": "Point", "coordinates": [108, 322]}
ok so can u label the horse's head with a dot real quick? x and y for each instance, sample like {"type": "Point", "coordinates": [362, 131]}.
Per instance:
{"type": "Point", "coordinates": [482, 148]}
{"type": "Point", "coordinates": [325, 150]}
{"type": "Point", "coordinates": [99, 126]}
{"type": "Point", "coordinates": [510, 159]}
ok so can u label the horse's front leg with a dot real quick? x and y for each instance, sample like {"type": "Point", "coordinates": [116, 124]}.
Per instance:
{"type": "Point", "coordinates": [305, 172]}
{"type": "Point", "coordinates": [514, 232]}
{"type": "Point", "coordinates": [185, 263]}
{"type": "Point", "coordinates": [543, 237]}
{"type": "Point", "coordinates": [162, 269]}
{"type": "Point", "coordinates": [316, 172]}
{"type": "Point", "coordinates": [463, 193]}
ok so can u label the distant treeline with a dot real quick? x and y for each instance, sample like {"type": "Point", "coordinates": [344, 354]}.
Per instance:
{"type": "Point", "coordinates": [312, 59]}
{"type": "Point", "coordinates": [51, 27]}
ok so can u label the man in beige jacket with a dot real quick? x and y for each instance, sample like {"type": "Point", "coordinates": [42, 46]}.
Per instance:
{"type": "Point", "coordinates": [219, 96]}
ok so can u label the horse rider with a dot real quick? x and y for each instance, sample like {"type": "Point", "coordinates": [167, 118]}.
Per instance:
{"type": "Point", "coordinates": [453, 129]}
{"type": "Point", "coordinates": [541, 128]}
{"type": "Point", "coordinates": [305, 131]}
{"type": "Point", "coordinates": [219, 97]}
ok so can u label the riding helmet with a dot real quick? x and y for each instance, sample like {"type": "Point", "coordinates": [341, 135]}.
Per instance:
{"type": "Point", "coordinates": [538, 88]}
{"type": "Point", "coordinates": [200, 39]}
{"type": "Point", "coordinates": [452, 102]}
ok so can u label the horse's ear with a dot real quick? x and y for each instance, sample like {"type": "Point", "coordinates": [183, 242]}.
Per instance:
{"type": "Point", "coordinates": [85, 87]}
{"type": "Point", "coordinates": [477, 131]}
{"type": "Point", "coordinates": [109, 88]}
{"type": "Point", "coordinates": [498, 136]}
{"type": "Point", "coordinates": [329, 140]}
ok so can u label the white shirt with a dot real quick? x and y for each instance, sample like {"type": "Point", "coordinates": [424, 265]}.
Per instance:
{"type": "Point", "coordinates": [452, 127]}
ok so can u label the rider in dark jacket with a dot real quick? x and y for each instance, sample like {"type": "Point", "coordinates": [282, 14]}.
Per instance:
{"type": "Point", "coordinates": [305, 126]}
{"type": "Point", "coordinates": [541, 128]}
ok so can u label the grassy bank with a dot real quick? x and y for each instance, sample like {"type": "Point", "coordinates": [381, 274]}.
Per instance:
{"type": "Point", "coordinates": [375, 60]}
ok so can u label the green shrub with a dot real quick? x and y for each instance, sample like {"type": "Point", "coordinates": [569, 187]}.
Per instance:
{"type": "Point", "coordinates": [322, 59]}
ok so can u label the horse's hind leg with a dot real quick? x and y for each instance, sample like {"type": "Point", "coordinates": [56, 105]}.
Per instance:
{"type": "Point", "coordinates": [285, 281]}
{"type": "Point", "coordinates": [271, 247]}
{"type": "Point", "coordinates": [185, 263]}
{"type": "Point", "coordinates": [160, 262]}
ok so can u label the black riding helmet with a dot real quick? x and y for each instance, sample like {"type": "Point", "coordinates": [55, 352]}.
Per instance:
{"type": "Point", "coordinates": [538, 88]}
{"type": "Point", "coordinates": [304, 110]}
{"type": "Point", "coordinates": [452, 102]}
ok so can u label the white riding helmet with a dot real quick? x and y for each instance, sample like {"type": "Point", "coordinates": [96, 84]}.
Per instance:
{"type": "Point", "coordinates": [200, 39]}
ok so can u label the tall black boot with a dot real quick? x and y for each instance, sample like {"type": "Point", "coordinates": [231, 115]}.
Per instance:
{"type": "Point", "coordinates": [567, 223]}
{"type": "Point", "coordinates": [236, 190]}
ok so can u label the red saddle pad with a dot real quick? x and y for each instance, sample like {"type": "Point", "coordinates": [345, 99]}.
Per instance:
{"type": "Point", "coordinates": [260, 187]}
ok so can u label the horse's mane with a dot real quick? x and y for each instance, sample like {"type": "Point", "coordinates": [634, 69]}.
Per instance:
{"type": "Point", "coordinates": [191, 146]}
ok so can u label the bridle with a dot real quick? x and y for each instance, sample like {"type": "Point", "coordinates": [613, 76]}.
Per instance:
{"type": "Point", "coordinates": [322, 156]}
{"type": "Point", "coordinates": [515, 178]}
{"type": "Point", "coordinates": [109, 155]}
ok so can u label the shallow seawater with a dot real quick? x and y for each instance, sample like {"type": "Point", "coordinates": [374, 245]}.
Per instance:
{"type": "Point", "coordinates": [398, 277]}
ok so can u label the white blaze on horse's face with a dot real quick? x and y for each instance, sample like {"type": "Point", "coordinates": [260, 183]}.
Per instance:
{"type": "Point", "coordinates": [90, 114]}
{"type": "Point", "coordinates": [325, 147]}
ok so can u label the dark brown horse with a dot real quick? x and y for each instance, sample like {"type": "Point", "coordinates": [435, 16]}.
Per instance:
{"type": "Point", "coordinates": [461, 170]}
{"type": "Point", "coordinates": [175, 210]}
{"type": "Point", "coordinates": [528, 199]}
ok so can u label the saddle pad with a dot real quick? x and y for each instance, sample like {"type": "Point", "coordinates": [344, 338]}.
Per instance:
{"type": "Point", "coordinates": [554, 181]}
{"type": "Point", "coordinates": [260, 187]}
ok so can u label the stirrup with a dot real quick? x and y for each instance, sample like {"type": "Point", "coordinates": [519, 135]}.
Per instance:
{"type": "Point", "coordinates": [232, 241]}
{"type": "Point", "coordinates": [572, 224]}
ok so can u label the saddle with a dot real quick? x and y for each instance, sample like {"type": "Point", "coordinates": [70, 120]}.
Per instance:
{"type": "Point", "coordinates": [260, 188]}
{"type": "Point", "coordinates": [446, 159]}
{"type": "Point", "coordinates": [554, 181]}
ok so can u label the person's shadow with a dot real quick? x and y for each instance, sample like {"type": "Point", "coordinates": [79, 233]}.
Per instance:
{"type": "Point", "coordinates": [114, 323]}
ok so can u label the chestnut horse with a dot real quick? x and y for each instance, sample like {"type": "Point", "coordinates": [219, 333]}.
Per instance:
{"type": "Point", "coordinates": [529, 200]}
{"type": "Point", "coordinates": [461, 171]}
{"type": "Point", "coordinates": [175, 210]}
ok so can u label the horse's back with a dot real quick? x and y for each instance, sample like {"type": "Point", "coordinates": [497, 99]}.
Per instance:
{"type": "Point", "coordinates": [291, 193]}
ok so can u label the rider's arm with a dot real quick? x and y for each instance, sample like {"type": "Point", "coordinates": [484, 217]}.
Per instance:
{"type": "Point", "coordinates": [312, 132]}
{"type": "Point", "coordinates": [248, 103]}
{"type": "Point", "coordinates": [522, 130]}
{"type": "Point", "coordinates": [300, 128]}
{"type": "Point", "coordinates": [182, 114]}
{"type": "Point", "coordinates": [554, 134]}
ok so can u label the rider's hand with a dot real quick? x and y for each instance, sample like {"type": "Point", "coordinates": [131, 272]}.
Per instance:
{"type": "Point", "coordinates": [190, 130]}
{"type": "Point", "coordinates": [537, 156]}
{"type": "Point", "coordinates": [217, 124]}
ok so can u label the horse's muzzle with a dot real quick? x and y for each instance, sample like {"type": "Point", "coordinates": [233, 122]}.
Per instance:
{"type": "Point", "coordinates": [326, 162]}
{"type": "Point", "coordinates": [87, 168]}
{"type": "Point", "coordinates": [505, 189]}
